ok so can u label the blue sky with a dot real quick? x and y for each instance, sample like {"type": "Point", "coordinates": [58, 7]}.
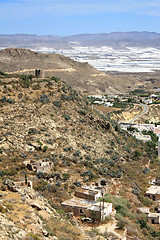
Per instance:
{"type": "Point", "coordinates": [68, 17]}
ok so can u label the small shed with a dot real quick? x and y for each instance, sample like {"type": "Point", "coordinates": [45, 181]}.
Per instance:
{"type": "Point", "coordinates": [154, 218]}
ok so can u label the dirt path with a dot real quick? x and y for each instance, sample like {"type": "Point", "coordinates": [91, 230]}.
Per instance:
{"type": "Point", "coordinates": [45, 70]}
{"type": "Point", "coordinates": [111, 228]}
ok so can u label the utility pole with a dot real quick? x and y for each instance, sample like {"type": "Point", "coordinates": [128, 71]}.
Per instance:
{"type": "Point", "coordinates": [102, 205]}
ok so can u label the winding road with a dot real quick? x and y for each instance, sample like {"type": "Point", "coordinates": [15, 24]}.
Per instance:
{"type": "Point", "coordinates": [145, 110]}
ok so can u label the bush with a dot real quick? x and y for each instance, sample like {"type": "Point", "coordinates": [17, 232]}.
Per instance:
{"type": "Point", "coordinates": [57, 103]}
{"type": "Point", "coordinates": [26, 80]}
{"type": "Point", "coordinates": [2, 209]}
{"type": "Point", "coordinates": [3, 74]}
{"type": "Point", "coordinates": [66, 117]}
{"type": "Point", "coordinates": [121, 205]}
{"type": "Point", "coordinates": [87, 157]}
{"type": "Point", "coordinates": [55, 79]}
{"type": "Point", "coordinates": [66, 176]}
{"type": "Point", "coordinates": [44, 148]}
{"type": "Point", "coordinates": [82, 112]}
{"type": "Point", "coordinates": [78, 184]}
{"type": "Point", "coordinates": [107, 219]}
{"type": "Point", "coordinates": [77, 153]}
{"type": "Point", "coordinates": [64, 97]}
{"type": "Point", "coordinates": [120, 225]}
{"type": "Point", "coordinates": [142, 223]}
{"type": "Point", "coordinates": [44, 99]}
{"type": "Point", "coordinates": [33, 236]}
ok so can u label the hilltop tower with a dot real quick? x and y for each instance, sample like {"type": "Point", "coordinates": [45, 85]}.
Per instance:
{"type": "Point", "coordinates": [39, 73]}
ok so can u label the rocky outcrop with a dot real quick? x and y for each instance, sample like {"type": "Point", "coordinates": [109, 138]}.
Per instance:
{"type": "Point", "coordinates": [18, 225]}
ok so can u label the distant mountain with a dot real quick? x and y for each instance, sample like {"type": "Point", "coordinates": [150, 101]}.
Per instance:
{"type": "Point", "coordinates": [115, 39]}
{"type": "Point", "coordinates": [115, 36]}
{"type": "Point", "coordinates": [32, 41]}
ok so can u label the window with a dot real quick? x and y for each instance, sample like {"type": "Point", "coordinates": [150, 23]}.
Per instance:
{"type": "Point", "coordinates": [81, 211]}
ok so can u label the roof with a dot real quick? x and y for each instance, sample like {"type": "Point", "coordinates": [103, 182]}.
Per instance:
{"type": "Point", "coordinates": [154, 214]}
{"type": "Point", "coordinates": [155, 190]}
{"type": "Point", "coordinates": [85, 203]}
{"type": "Point", "coordinates": [88, 191]}
{"type": "Point", "coordinates": [79, 202]}
{"type": "Point", "coordinates": [144, 210]}
{"type": "Point", "coordinates": [96, 206]}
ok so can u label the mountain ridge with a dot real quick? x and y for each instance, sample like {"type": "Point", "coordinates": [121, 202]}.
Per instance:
{"type": "Point", "coordinates": [143, 38]}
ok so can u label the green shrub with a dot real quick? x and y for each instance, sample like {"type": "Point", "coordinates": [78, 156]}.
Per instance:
{"type": "Point", "coordinates": [121, 205]}
{"type": "Point", "coordinates": [64, 97]}
{"type": "Point", "coordinates": [26, 81]}
{"type": "Point", "coordinates": [82, 112]}
{"type": "Point", "coordinates": [57, 103]}
{"type": "Point", "coordinates": [44, 148]}
{"type": "Point", "coordinates": [2, 209]}
{"type": "Point", "coordinates": [121, 225]}
{"type": "Point", "coordinates": [142, 223]}
{"type": "Point", "coordinates": [77, 153]}
{"type": "Point", "coordinates": [33, 236]}
{"type": "Point", "coordinates": [44, 99]}
{"type": "Point", "coordinates": [66, 117]}
{"type": "Point", "coordinates": [66, 176]}
{"type": "Point", "coordinates": [55, 79]}
{"type": "Point", "coordinates": [3, 74]}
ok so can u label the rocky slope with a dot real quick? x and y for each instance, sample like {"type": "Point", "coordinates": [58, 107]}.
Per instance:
{"type": "Point", "coordinates": [128, 114]}
{"type": "Point", "coordinates": [153, 114]}
{"type": "Point", "coordinates": [25, 214]}
{"type": "Point", "coordinates": [45, 119]}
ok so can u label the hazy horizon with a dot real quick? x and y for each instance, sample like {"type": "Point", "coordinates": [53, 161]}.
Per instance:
{"type": "Point", "coordinates": [96, 33]}
{"type": "Point", "coordinates": [68, 17]}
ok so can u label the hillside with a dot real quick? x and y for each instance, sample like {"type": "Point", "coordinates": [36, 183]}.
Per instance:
{"type": "Point", "coordinates": [80, 76]}
{"type": "Point", "coordinates": [45, 119]}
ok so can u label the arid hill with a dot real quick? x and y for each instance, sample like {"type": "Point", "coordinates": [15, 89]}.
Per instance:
{"type": "Point", "coordinates": [81, 76]}
{"type": "Point", "coordinates": [45, 119]}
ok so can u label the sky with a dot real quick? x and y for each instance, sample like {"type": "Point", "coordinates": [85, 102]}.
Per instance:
{"type": "Point", "coordinates": [69, 17]}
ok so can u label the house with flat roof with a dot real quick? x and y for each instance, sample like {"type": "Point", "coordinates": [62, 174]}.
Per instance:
{"type": "Point", "coordinates": [88, 208]}
{"type": "Point", "coordinates": [85, 203]}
